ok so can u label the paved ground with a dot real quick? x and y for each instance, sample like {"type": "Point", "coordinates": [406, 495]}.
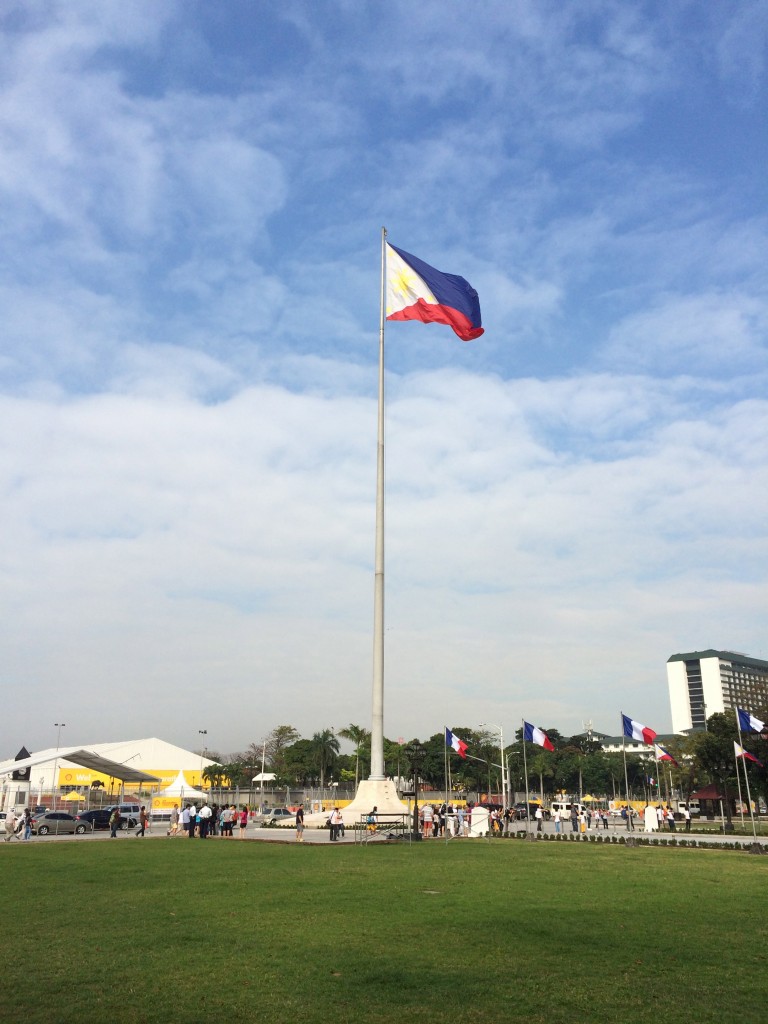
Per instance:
{"type": "Point", "coordinates": [322, 836]}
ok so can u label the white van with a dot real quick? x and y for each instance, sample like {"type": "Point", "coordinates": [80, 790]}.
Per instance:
{"type": "Point", "coordinates": [565, 809]}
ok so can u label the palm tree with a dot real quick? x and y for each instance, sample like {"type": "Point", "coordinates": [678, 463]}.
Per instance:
{"type": "Point", "coordinates": [325, 749]}
{"type": "Point", "coordinates": [358, 735]}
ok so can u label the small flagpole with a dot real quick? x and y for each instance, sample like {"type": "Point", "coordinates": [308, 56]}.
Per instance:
{"type": "Point", "coordinates": [746, 779]}
{"type": "Point", "coordinates": [738, 783]}
{"type": "Point", "coordinates": [658, 778]}
{"type": "Point", "coordinates": [377, 703]}
{"type": "Point", "coordinates": [527, 801]}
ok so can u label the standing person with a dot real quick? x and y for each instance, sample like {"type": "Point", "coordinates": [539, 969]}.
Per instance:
{"type": "Point", "coordinates": [671, 819]}
{"type": "Point", "coordinates": [243, 822]}
{"type": "Point", "coordinates": [557, 821]}
{"type": "Point", "coordinates": [300, 824]}
{"type": "Point", "coordinates": [574, 818]}
{"type": "Point", "coordinates": [461, 816]}
{"type": "Point", "coordinates": [539, 818]}
{"type": "Point", "coordinates": [687, 817]}
{"type": "Point", "coordinates": [185, 819]}
{"type": "Point", "coordinates": [192, 821]}
{"type": "Point", "coordinates": [583, 821]}
{"type": "Point", "coordinates": [226, 822]}
{"type": "Point", "coordinates": [426, 819]}
{"type": "Point", "coordinates": [143, 820]}
{"type": "Point", "coordinates": [10, 825]}
{"type": "Point", "coordinates": [205, 819]}
{"type": "Point", "coordinates": [114, 823]}
{"type": "Point", "coordinates": [335, 821]}
{"type": "Point", "coordinates": [173, 826]}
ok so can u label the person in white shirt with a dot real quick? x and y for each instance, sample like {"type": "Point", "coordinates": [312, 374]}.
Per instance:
{"type": "Point", "coordinates": [205, 819]}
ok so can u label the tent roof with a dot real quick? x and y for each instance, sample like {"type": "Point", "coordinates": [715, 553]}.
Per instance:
{"type": "Point", "coordinates": [86, 759]}
{"type": "Point", "coordinates": [179, 787]}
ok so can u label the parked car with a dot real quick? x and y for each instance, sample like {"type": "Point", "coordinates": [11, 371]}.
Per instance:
{"type": "Point", "coordinates": [98, 818]}
{"type": "Point", "coordinates": [58, 822]}
{"type": "Point", "coordinates": [129, 814]}
{"type": "Point", "coordinates": [277, 816]}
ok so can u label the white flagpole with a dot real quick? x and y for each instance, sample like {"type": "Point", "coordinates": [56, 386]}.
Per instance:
{"type": "Point", "coordinates": [527, 799]}
{"type": "Point", "coordinates": [746, 779]}
{"type": "Point", "coordinates": [630, 823]}
{"type": "Point", "coordinates": [377, 704]}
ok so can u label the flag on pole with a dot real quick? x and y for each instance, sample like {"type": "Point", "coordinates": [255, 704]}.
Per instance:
{"type": "Point", "coordinates": [739, 751]}
{"type": "Point", "coordinates": [635, 731]}
{"type": "Point", "coordinates": [416, 291]}
{"type": "Point", "coordinates": [664, 755]}
{"type": "Point", "coordinates": [453, 741]}
{"type": "Point", "coordinates": [748, 722]}
{"type": "Point", "coordinates": [534, 735]}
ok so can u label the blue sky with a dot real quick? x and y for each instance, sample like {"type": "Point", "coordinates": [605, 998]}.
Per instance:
{"type": "Point", "coordinates": [191, 198]}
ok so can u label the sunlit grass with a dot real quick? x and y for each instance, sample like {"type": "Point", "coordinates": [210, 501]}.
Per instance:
{"type": "Point", "coordinates": [173, 931]}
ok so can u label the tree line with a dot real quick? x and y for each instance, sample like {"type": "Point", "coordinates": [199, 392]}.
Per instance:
{"type": "Point", "coordinates": [577, 765]}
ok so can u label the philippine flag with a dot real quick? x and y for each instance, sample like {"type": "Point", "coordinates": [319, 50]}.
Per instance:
{"type": "Point", "coordinates": [416, 291]}
{"type": "Point", "coordinates": [748, 722]}
{"type": "Point", "coordinates": [739, 751]}
{"type": "Point", "coordinates": [664, 755]}
{"type": "Point", "coordinates": [534, 735]}
{"type": "Point", "coordinates": [453, 741]}
{"type": "Point", "coordinates": [635, 731]}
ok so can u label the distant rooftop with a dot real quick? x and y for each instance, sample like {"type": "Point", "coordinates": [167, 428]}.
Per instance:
{"type": "Point", "coordinates": [742, 659]}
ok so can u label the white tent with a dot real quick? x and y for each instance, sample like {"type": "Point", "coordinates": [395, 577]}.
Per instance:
{"type": "Point", "coordinates": [180, 789]}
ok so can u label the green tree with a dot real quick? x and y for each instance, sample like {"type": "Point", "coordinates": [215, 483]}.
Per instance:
{"type": "Point", "coordinates": [276, 744]}
{"type": "Point", "coordinates": [360, 737]}
{"type": "Point", "coordinates": [325, 751]}
{"type": "Point", "coordinates": [713, 751]}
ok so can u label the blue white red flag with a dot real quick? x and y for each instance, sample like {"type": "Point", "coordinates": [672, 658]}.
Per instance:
{"type": "Point", "coordinates": [636, 731]}
{"type": "Point", "coordinates": [453, 741]}
{"type": "Point", "coordinates": [534, 735]}
{"type": "Point", "coordinates": [739, 751]}
{"type": "Point", "coordinates": [664, 755]}
{"type": "Point", "coordinates": [748, 722]}
{"type": "Point", "coordinates": [416, 291]}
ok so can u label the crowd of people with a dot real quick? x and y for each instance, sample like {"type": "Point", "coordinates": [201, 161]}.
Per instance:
{"type": "Point", "coordinates": [208, 820]}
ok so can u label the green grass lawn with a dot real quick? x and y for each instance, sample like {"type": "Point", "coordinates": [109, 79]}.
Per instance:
{"type": "Point", "coordinates": [166, 930]}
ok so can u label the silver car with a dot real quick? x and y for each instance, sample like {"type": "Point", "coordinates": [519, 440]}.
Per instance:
{"type": "Point", "coordinates": [58, 823]}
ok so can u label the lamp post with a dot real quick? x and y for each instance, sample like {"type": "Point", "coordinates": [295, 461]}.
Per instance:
{"type": "Point", "coordinates": [416, 754]}
{"type": "Point", "coordinates": [59, 727]}
{"type": "Point", "coordinates": [491, 725]}
{"type": "Point", "coordinates": [204, 733]}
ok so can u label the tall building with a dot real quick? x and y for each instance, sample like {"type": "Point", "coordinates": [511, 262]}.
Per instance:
{"type": "Point", "coordinates": [702, 683]}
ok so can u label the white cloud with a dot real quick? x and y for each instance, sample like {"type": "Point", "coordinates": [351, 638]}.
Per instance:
{"type": "Point", "coordinates": [190, 308]}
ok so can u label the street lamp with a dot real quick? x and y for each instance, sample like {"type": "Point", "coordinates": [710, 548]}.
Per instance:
{"type": "Point", "coordinates": [504, 776]}
{"type": "Point", "coordinates": [202, 732]}
{"type": "Point", "coordinates": [59, 726]}
{"type": "Point", "coordinates": [416, 755]}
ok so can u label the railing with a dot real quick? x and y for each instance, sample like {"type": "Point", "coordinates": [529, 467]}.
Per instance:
{"type": "Point", "coordinates": [386, 828]}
